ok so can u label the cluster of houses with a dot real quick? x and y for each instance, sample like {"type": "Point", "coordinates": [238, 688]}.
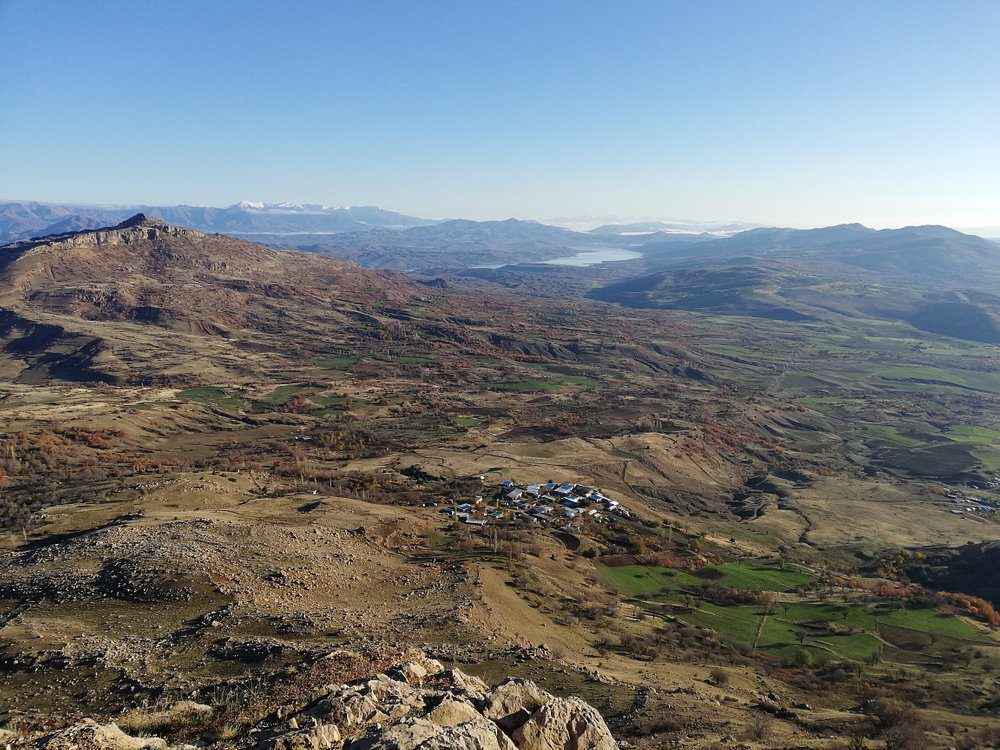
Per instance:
{"type": "Point", "coordinates": [548, 503]}
{"type": "Point", "coordinates": [973, 504]}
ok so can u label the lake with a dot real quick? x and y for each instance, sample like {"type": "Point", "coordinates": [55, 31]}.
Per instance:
{"type": "Point", "coordinates": [593, 257]}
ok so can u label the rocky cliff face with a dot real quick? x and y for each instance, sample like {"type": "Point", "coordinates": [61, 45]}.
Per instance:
{"type": "Point", "coordinates": [417, 705]}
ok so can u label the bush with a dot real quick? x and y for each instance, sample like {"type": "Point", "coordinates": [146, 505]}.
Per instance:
{"type": "Point", "coordinates": [761, 728]}
{"type": "Point", "coordinates": [801, 657]}
{"type": "Point", "coordinates": [904, 737]}
{"type": "Point", "coordinates": [718, 677]}
{"type": "Point", "coordinates": [889, 713]}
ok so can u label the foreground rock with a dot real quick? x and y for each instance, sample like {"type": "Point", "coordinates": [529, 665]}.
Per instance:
{"type": "Point", "coordinates": [420, 705]}
{"type": "Point", "coordinates": [93, 736]}
{"type": "Point", "coordinates": [416, 705]}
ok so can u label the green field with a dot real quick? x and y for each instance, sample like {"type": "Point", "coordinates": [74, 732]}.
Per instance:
{"type": "Point", "coordinates": [847, 630]}
{"type": "Point", "coordinates": [887, 434]}
{"type": "Point", "coordinates": [760, 577]}
{"type": "Point", "coordinates": [283, 394]}
{"type": "Point", "coordinates": [781, 634]}
{"type": "Point", "coordinates": [969, 433]}
{"type": "Point", "coordinates": [213, 396]}
{"type": "Point", "coordinates": [732, 349]}
{"type": "Point", "coordinates": [559, 373]}
{"type": "Point", "coordinates": [983, 381]}
{"type": "Point", "coordinates": [334, 363]}
{"type": "Point", "coordinates": [524, 386]}
{"type": "Point", "coordinates": [798, 379]}
{"type": "Point", "coordinates": [583, 380]}
{"type": "Point", "coordinates": [641, 580]}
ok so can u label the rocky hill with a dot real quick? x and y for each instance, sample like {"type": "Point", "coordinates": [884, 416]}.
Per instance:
{"type": "Point", "coordinates": [922, 252]}
{"type": "Point", "coordinates": [148, 277]}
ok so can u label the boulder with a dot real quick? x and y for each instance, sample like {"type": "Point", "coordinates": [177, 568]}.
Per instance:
{"type": "Point", "coordinates": [317, 737]}
{"type": "Point", "coordinates": [511, 702]}
{"type": "Point", "coordinates": [453, 711]}
{"type": "Point", "coordinates": [414, 734]}
{"type": "Point", "coordinates": [361, 704]}
{"type": "Point", "coordinates": [467, 684]}
{"type": "Point", "coordinates": [433, 666]}
{"type": "Point", "coordinates": [565, 724]}
{"type": "Point", "coordinates": [89, 735]}
{"type": "Point", "coordinates": [412, 673]}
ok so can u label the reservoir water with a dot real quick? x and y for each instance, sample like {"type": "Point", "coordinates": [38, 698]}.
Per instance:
{"type": "Point", "coordinates": [593, 257]}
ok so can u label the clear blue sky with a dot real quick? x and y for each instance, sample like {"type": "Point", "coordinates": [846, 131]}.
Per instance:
{"type": "Point", "coordinates": [795, 113]}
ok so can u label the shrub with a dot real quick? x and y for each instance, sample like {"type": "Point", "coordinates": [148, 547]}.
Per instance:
{"type": "Point", "coordinates": [718, 677]}
{"type": "Point", "coordinates": [904, 737]}
{"type": "Point", "coordinates": [761, 728]}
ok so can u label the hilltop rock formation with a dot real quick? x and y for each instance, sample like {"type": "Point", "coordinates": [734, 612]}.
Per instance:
{"type": "Point", "coordinates": [417, 705]}
{"type": "Point", "coordinates": [420, 704]}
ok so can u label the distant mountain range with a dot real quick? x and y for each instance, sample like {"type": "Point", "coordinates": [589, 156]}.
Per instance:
{"type": "Point", "coordinates": [934, 251]}
{"type": "Point", "coordinates": [673, 227]}
{"type": "Point", "coordinates": [370, 236]}
{"type": "Point", "coordinates": [458, 243]}
{"type": "Point", "coordinates": [377, 238]}
{"type": "Point", "coordinates": [23, 220]}
{"type": "Point", "coordinates": [934, 278]}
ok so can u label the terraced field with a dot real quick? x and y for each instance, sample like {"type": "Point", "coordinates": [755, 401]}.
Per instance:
{"type": "Point", "coordinates": [793, 624]}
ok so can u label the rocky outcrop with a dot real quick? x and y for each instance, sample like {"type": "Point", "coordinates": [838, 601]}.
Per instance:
{"type": "Point", "coordinates": [511, 703]}
{"type": "Point", "coordinates": [90, 735]}
{"type": "Point", "coordinates": [415, 705]}
{"type": "Point", "coordinates": [565, 724]}
{"type": "Point", "coordinates": [419, 705]}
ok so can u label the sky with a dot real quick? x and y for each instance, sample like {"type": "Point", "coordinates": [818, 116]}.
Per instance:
{"type": "Point", "coordinates": [787, 113]}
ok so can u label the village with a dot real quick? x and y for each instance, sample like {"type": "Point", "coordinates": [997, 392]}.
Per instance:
{"type": "Point", "coordinates": [974, 504]}
{"type": "Point", "coordinates": [566, 506]}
